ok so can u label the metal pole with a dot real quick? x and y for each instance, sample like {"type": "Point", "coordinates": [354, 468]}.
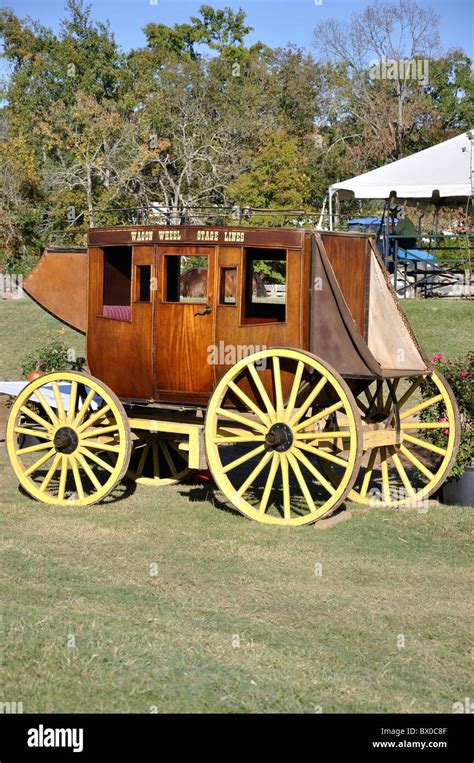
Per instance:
{"type": "Point", "coordinates": [330, 209]}
{"type": "Point", "coordinates": [395, 265]}
{"type": "Point", "coordinates": [436, 218]}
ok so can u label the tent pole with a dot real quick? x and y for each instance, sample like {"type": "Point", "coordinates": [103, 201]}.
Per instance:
{"type": "Point", "coordinates": [330, 209]}
{"type": "Point", "coordinates": [436, 218]}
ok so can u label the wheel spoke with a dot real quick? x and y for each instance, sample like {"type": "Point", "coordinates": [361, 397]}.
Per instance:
{"type": "Point", "coordinates": [322, 454]}
{"type": "Point", "coordinates": [40, 462]}
{"type": "Point", "coordinates": [263, 393]}
{"type": "Point", "coordinates": [410, 391]}
{"type": "Point", "coordinates": [301, 481]}
{"type": "Point", "coordinates": [425, 445]}
{"type": "Point", "coordinates": [99, 431]}
{"type": "Point", "coordinates": [368, 473]}
{"type": "Point", "coordinates": [371, 397]}
{"type": "Point", "coordinates": [278, 387]}
{"type": "Point", "coordinates": [59, 401]}
{"type": "Point", "coordinates": [178, 451]}
{"type": "Point", "coordinates": [294, 391]}
{"type": "Point", "coordinates": [389, 400]}
{"type": "Point", "coordinates": [246, 457]}
{"type": "Point", "coordinates": [92, 419]}
{"type": "Point", "coordinates": [401, 470]}
{"type": "Point", "coordinates": [71, 411]}
{"type": "Point", "coordinates": [308, 400]}
{"type": "Point", "coordinates": [252, 477]}
{"type": "Point", "coordinates": [286, 486]}
{"type": "Point", "coordinates": [84, 408]}
{"type": "Point", "coordinates": [241, 420]}
{"type": "Point", "coordinates": [62, 478]}
{"type": "Point", "coordinates": [385, 479]}
{"type": "Point", "coordinates": [269, 483]}
{"type": "Point", "coordinates": [43, 402]}
{"type": "Point", "coordinates": [33, 415]}
{"type": "Point", "coordinates": [421, 407]}
{"type": "Point", "coordinates": [33, 448]}
{"type": "Point", "coordinates": [156, 458]}
{"type": "Point", "coordinates": [416, 462]}
{"type": "Point", "coordinates": [82, 461]}
{"type": "Point", "coordinates": [77, 479]}
{"type": "Point", "coordinates": [143, 457]}
{"type": "Point", "coordinates": [249, 403]}
{"type": "Point", "coordinates": [96, 444]}
{"type": "Point", "coordinates": [50, 473]}
{"type": "Point", "coordinates": [368, 396]}
{"type": "Point", "coordinates": [33, 433]}
{"type": "Point", "coordinates": [318, 416]}
{"type": "Point", "coordinates": [169, 461]}
{"type": "Point", "coordinates": [312, 469]}
{"type": "Point", "coordinates": [380, 403]}
{"type": "Point", "coordinates": [96, 459]}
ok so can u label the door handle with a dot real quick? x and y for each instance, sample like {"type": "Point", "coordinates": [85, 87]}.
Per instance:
{"type": "Point", "coordinates": [205, 311]}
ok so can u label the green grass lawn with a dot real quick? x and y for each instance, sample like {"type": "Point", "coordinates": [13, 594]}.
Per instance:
{"type": "Point", "coordinates": [442, 325]}
{"type": "Point", "coordinates": [235, 618]}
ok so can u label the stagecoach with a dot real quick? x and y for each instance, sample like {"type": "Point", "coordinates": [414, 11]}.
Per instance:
{"type": "Point", "coordinates": [278, 359]}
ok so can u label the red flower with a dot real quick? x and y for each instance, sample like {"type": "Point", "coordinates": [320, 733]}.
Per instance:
{"type": "Point", "coordinates": [445, 431]}
{"type": "Point", "coordinates": [464, 374]}
{"type": "Point", "coordinates": [442, 418]}
{"type": "Point", "coordinates": [437, 358]}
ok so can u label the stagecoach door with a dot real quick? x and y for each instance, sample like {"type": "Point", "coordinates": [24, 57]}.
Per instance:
{"type": "Point", "coordinates": [184, 320]}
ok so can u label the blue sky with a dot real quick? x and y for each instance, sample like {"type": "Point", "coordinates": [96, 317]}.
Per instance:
{"type": "Point", "coordinates": [276, 22]}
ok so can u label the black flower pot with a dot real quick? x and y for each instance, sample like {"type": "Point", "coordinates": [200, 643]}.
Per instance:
{"type": "Point", "coordinates": [460, 491]}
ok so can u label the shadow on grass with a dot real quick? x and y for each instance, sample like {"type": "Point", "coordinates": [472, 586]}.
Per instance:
{"type": "Point", "coordinates": [208, 494]}
{"type": "Point", "coordinates": [120, 492]}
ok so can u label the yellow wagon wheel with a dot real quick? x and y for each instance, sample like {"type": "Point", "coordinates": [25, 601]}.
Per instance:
{"type": "Point", "coordinates": [263, 437]}
{"type": "Point", "coordinates": [418, 460]}
{"type": "Point", "coordinates": [157, 460]}
{"type": "Point", "coordinates": [68, 439]}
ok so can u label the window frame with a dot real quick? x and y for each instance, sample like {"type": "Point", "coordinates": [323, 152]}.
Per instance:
{"type": "Point", "coordinates": [101, 264]}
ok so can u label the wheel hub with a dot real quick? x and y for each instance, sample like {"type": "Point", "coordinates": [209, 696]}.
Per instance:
{"type": "Point", "coordinates": [279, 437]}
{"type": "Point", "coordinates": [65, 440]}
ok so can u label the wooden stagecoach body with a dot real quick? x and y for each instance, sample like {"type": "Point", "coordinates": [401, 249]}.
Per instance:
{"type": "Point", "coordinates": [295, 395]}
{"type": "Point", "coordinates": [148, 347]}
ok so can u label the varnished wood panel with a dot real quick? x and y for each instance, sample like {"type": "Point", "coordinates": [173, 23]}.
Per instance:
{"type": "Point", "coordinates": [348, 256]}
{"type": "Point", "coordinates": [59, 284]}
{"type": "Point", "coordinates": [182, 339]}
{"type": "Point", "coordinates": [164, 235]}
{"type": "Point", "coordinates": [120, 352]}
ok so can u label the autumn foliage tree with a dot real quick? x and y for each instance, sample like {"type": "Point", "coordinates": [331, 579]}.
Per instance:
{"type": "Point", "coordinates": [197, 116]}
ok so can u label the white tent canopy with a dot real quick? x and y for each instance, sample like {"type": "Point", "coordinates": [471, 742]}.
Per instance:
{"type": "Point", "coordinates": [442, 172]}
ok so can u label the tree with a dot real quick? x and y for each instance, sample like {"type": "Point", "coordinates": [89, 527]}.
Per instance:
{"type": "Point", "coordinates": [375, 90]}
{"type": "Point", "coordinates": [276, 178]}
{"type": "Point", "coordinates": [193, 149]}
{"type": "Point", "coordinates": [94, 158]}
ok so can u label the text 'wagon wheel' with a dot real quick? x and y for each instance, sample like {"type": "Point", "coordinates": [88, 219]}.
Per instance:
{"type": "Point", "coordinates": [418, 459]}
{"type": "Point", "coordinates": [81, 441]}
{"type": "Point", "coordinates": [264, 438]}
{"type": "Point", "coordinates": [157, 460]}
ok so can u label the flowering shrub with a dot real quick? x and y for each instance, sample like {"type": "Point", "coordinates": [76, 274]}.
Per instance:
{"type": "Point", "coordinates": [459, 373]}
{"type": "Point", "coordinates": [50, 357]}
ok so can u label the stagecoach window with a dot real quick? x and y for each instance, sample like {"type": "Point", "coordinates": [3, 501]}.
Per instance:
{"type": "Point", "coordinates": [144, 283]}
{"type": "Point", "coordinates": [185, 278]}
{"type": "Point", "coordinates": [117, 288]}
{"type": "Point", "coordinates": [265, 284]}
{"type": "Point", "coordinates": [227, 286]}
